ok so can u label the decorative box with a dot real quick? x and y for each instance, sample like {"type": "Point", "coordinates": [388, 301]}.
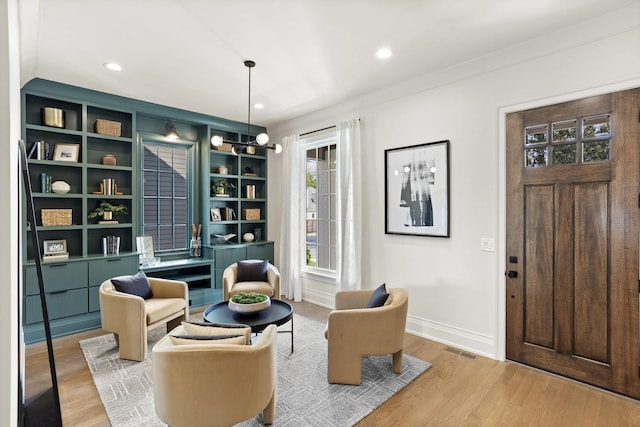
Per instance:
{"type": "Point", "coordinates": [250, 214]}
{"type": "Point", "coordinates": [107, 127]}
{"type": "Point", "coordinates": [224, 147]}
{"type": "Point", "coordinates": [51, 116]}
{"type": "Point", "coordinates": [56, 216]}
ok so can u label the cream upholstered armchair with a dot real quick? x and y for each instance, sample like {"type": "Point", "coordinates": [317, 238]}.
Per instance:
{"type": "Point", "coordinates": [354, 331]}
{"type": "Point", "coordinates": [251, 276]}
{"type": "Point", "coordinates": [210, 384]}
{"type": "Point", "coordinates": [129, 316]}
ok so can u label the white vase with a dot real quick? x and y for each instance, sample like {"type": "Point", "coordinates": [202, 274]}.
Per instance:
{"type": "Point", "coordinates": [60, 187]}
{"type": "Point", "coordinates": [248, 237]}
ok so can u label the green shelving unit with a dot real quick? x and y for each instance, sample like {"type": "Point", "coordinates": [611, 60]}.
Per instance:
{"type": "Point", "coordinates": [72, 284]}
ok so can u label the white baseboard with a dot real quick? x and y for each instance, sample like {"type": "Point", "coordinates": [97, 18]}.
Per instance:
{"type": "Point", "coordinates": [323, 299]}
{"type": "Point", "coordinates": [473, 342]}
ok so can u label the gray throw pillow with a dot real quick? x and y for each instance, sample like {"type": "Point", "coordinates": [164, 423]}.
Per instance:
{"type": "Point", "coordinates": [138, 285]}
{"type": "Point", "coordinates": [378, 297]}
{"type": "Point", "coordinates": [252, 271]}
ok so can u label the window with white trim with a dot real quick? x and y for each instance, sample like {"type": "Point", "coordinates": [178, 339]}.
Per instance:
{"type": "Point", "coordinates": [320, 159]}
{"type": "Point", "coordinates": [166, 209]}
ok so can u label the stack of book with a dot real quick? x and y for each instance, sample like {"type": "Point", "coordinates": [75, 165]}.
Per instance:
{"type": "Point", "coordinates": [45, 183]}
{"type": "Point", "coordinates": [110, 245]}
{"type": "Point", "coordinates": [40, 150]}
{"type": "Point", "coordinates": [109, 186]}
{"type": "Point", "coordinates": [227, 214]}
{"type": "Point", "coordinates": [251, 191]}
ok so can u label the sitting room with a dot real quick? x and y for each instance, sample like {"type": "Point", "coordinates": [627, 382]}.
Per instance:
{"type": "Point", "coordinates": [255, 213]}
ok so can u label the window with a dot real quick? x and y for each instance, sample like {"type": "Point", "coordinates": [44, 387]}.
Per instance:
{"type": "Point", "coordinates": [320, 204]}
{"type": "Point", "coordinates": [165, 193]}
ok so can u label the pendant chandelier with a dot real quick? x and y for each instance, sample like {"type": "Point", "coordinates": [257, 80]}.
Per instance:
{"type": "Point", "coordinates": [261, 139]}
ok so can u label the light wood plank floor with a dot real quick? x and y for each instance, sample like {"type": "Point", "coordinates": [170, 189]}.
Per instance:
{"type": "Point", "coordinates": [459, 390]}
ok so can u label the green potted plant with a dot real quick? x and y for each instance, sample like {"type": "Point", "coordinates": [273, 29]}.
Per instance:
{"type": "Point", "coordinates": [107, 211]}
{"type": "Point", "coordinates": [220, 187]}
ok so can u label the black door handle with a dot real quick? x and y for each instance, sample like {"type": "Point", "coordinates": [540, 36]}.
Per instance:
{"type": "Point", "coordinates": [512, 274]}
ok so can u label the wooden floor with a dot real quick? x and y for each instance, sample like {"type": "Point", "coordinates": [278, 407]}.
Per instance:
{"type": "Point", "coordinates": [460, 389]}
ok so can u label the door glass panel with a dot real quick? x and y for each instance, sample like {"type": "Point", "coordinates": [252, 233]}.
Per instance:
{"type": "Point", "coordinates": [564, 154]}
{"type": "Point", "coordinates": [535, 157]}
{"type": "Point", "coordinates": [564, 131]}
{"type": "Point", "coordinates": [567, 145]}
{"type": "Point", "coordinates": [536, 134]}
{"type": "Point", "coordinates": [596, 126]}
{"type": "Point", "coordinates": [596, 151]}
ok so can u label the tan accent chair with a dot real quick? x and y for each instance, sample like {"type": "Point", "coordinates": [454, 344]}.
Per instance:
{"type": "Point", "coordinates": [230, 286]}
{"type": "Point", "coordinates": [354, 331]}
{"type": "Point", "coordinates": [129, 317]}
{"type": "Point", "coordinates": [212, 384]}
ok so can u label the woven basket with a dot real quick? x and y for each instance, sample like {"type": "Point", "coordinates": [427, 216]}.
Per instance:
{"type": "Point", "coordinates": [250, 214]}
{"type": "Point", "coordinates": [56, 217]}
{"type": "Point", "coordinates": [224, 147]}
{"type": "Point", "coordinates": [107, 127]}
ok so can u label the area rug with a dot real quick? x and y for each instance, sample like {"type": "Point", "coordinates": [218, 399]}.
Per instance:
{"type": "Point", "coordinates": [304, 396]}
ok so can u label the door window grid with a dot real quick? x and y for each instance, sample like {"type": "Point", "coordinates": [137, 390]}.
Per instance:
{"type": "Point", "coordinates": [572, 141]}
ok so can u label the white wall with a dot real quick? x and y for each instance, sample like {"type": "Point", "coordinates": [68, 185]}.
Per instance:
{"type": "Point", "coordinates": [456, 291]}
{"type": "Point", "coordinates": [9, 135]}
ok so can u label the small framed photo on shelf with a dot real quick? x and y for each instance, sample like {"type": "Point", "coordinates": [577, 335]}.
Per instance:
{"type": "Point", "coordinates": [55, 249]}
{"type": "Point", "coordinates": [146, 252]}
{"type": "Point", "coordinates": [66, 152]}
{"type": "Point", "coordinates": [215, 214]}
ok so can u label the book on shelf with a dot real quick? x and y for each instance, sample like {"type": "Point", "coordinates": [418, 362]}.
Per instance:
{"type": "Point", "coordinates": [227, 214]}
{"type": "Point", "coordinates": [45, 183]}
{"type": "Point", "coordinates": [225, 237]}
{"type": "Point", "coordinates": [113, 221]}
{"type": "Point", "coordinates": [33, 149]}
{"type": "Point", "coordinates": [40, 150]}
{"type": "Point", "coordinates": [110, 245]}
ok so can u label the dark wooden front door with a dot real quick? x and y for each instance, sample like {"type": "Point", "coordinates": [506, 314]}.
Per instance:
{"type": "Point", "coordinates": [572, 239]}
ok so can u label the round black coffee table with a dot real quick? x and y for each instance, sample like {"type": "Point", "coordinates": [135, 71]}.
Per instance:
{"type": "Point", "coordinates": [278, 313]}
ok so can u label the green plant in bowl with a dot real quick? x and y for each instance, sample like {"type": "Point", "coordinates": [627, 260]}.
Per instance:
{"type": "Point", "coordinates": [249, 298]}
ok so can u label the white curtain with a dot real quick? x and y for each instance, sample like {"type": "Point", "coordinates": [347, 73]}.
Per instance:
{"type": "Point", "coordinates": [292, 244]}
{"type": "Point", "coordinates": [349, 206]}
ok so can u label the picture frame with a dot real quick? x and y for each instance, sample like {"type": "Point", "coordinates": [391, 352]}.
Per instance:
{"type": "Point", "coordinates": [66, 152]}
{"type": "Point", "coordinates": [215, 214]}
{"type": "Point", "coordinates": [417, 190]}
{"type": "Point", "coordinates": [144, 247]}
{"type": "Point", "coordinates": [54, 247]}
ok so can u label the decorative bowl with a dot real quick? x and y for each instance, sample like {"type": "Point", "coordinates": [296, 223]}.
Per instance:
{"type": "Point", "coordinates": [254, 307]}
{"type": "Point", "coordinates": [60, 187]}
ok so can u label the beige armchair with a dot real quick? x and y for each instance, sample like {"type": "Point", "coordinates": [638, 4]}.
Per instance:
{"type": "Point", "coordinates": [129, 317]}
{"type": "Point", "coordinates": [354, 331]}
{"type": "Point", "coordinates": [212, 384]}
{"type": "Point", "coordinates": [231, 286]}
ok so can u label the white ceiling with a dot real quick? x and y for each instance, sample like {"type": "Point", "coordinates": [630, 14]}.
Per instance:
{"type": "Point", "coordinates": [310, 54]}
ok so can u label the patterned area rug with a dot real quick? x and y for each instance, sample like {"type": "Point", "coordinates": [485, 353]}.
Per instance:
{"type": "Point", "coordinates": [304, 396]}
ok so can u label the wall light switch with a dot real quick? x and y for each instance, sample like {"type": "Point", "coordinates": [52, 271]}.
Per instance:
{"type": "Point", "coordinates": [487, 244]}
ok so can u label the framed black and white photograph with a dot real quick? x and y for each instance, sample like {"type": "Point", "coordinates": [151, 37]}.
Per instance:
{"type": "Point", "coordinates": [66, 152]}
{"type": "Point", "coordinates": [54, 247]}
{"type": "Point", "coordinates": [215, 214]}
{"type": "Point", "coordinates": [417, 190]}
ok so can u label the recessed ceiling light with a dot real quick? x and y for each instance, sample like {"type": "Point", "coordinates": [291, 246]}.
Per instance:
{"type": "Point", "coordinates": [113, 66]}
{"type": "Point", "coordinates": [258, 106]}
{"type": "Point", "coordinates": [383, 53]}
